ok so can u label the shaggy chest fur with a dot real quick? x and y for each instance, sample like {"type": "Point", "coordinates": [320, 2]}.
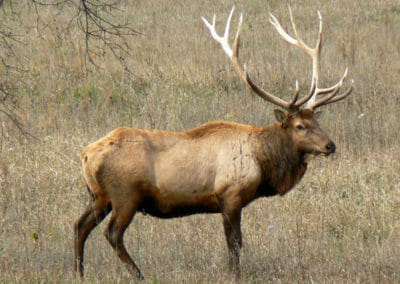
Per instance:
{"type": "Point", "coordinates": [281, 164]}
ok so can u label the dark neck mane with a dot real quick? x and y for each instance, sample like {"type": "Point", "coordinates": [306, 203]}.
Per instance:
{"type": "Point", "coordinates": [281, 164]}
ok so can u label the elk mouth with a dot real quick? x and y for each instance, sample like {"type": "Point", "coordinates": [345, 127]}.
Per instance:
{"type": "Point", "coordinates": [324, 153]}
{"type": "Point", "coordinates": [330, 148]}
{"type": "Point", "coordinates": [307, 157]}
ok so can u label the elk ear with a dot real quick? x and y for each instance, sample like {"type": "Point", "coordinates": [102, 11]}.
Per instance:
{"type": "Point", "coordinates": [317, 114]}
{"type": "Point", "coordinates": [280, 116]}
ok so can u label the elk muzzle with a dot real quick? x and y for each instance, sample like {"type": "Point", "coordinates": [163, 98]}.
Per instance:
{"type": "Point", "coordinates": [330, 148]}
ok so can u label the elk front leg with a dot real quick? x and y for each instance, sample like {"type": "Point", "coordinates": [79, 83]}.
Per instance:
{"type": "Point", "coordinates": [233, 234]}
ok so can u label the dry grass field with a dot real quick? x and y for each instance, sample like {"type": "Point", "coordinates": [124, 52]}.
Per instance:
{"type": "Point", "coordinates": [341, 224]}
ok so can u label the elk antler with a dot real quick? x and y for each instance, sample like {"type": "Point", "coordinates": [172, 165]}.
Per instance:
{"type": "Point", "coordinates": [239, 68]}
{"type": "Point", "coordinates": [331, 92]}
{"type": "Point", "coordinates": [293, 105]}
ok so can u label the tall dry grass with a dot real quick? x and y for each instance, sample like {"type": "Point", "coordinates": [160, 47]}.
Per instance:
{"type": "Point", "coordinates": [341, 223]}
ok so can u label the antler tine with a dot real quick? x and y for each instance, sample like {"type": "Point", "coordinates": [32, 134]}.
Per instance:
{"type": "Point", "coordinates": [333, 98]}
{"type": "Point", "coordinates": [223, 40]}
{"type": "Point", "coordinates": [294, 41]}
{"type": "Point", "coordinates": [327, 98]}
{"type": "Point", "coordinates": [296, 95]}
{"type": "Point", "coordinates": [333, 91]}
{"type": "Point", "coordinates": [281, 31]}
{"type": "Point", "coordinates": [319, 40]}
{"type": "Point", "coordinates": [311, 93]}
{"type": "Point", "coordinates": [341, 97]}
{"type": "Point", "coordinates": [324, 91]}
{"type": "Point", "coordinates": [234, 57]}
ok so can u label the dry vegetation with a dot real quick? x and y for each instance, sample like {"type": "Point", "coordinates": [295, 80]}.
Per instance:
{"type": "Point", "coordinates": [340, 224]}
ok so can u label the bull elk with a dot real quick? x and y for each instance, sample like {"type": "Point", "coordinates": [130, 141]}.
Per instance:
{"type": "Point", "coordinates": [218, 167]}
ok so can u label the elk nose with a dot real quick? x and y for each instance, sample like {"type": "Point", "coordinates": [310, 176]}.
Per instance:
{"type": "Point", "coordinates": [331, 147]}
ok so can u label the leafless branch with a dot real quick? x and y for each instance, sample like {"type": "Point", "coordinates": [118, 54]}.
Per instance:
{"type": "Point", "coordinates": [96, 20]}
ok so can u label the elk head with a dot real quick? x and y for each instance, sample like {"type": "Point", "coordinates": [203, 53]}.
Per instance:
{"type": "Point", "coordinates": [299, 119]}
{"type": "Point", "coordinates": [303, 129]}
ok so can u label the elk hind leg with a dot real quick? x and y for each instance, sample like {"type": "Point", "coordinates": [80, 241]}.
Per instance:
{"type": "Point", "coordinates": [93, 215]}
{"type": "Point", "coordinates": [121, 217]}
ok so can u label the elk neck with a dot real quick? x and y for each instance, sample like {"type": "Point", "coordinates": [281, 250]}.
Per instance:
{"type": "Point", "coordinates": [282, 165]}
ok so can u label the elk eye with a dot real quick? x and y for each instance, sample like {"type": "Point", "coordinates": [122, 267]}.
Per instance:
{"type": "Point", "coordinates": [300, 127]}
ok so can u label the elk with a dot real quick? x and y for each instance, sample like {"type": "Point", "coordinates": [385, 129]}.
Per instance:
{"type": "Point", "coordinates": [218, 167]}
